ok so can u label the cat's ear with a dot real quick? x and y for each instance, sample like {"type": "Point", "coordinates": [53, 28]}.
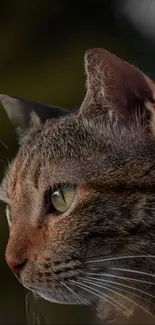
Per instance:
{"type": "Point", "coordinates": [114, 87]}
{"type": "Point", "coordinates": [20, 111]}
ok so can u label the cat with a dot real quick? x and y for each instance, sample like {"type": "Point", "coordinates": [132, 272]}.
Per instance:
{"type": "Point", "coordinates": [80, 193]}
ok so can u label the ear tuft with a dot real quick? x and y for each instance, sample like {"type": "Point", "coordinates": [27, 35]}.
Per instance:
{"type": "Point", "coordinates": [35, 120]}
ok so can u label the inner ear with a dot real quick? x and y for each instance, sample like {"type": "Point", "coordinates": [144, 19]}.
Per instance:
{"type": "Point", "coordinates": [114, 86]}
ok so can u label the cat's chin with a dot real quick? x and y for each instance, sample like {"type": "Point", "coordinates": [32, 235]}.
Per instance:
{"type": "Point", "coordinates": [63, 299]}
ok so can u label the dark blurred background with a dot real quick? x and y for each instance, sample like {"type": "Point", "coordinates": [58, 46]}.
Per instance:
{"type": "Point", "coordinates": [41, 58]}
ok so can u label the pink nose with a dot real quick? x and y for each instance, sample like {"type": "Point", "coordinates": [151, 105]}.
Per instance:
{"type": "Point", "coordinates": [16, 263]}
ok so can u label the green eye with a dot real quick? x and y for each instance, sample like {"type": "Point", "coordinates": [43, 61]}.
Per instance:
{"type": "Point", "coordinates": [62, 198]}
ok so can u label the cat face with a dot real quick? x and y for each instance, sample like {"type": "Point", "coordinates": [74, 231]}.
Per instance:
{"type": "Point", "coordinates": [80, 194]}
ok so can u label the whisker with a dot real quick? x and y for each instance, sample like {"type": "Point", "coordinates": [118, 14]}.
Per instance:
{"type": "Point", "coordinates": [128, 292]}
{"type": "Point", "coordinates": [30, 313]}
{"type": "Point", "coordinates": [120, 257]}
{"type": "Point", "coordinates": [133, 271]}
{"type": "Point", "coordinates": [150, 206]}
{"type": "Point", "coordinates": [119, 294]}
{"type": "Point", "coordinates": [102, 295]}
{"type": "Point", "coordinates": [32, 317]}
{"type": "Point", "coordinates": [148, 257]}
{"type": "Point", "coordinates": [78, 298]}
{"type": "Point", "coordinates": [4, 144]}
{"type": "Point", "coordinates": [74, 294]}
{"type": "Point", "coordinates": [120, 277]}
{"type": "Point", "coordinates": [123, 285]}
{"type": "Point", "coordinates": [27, 307]}
{"type": "Point", "coordinates": [87, 303]}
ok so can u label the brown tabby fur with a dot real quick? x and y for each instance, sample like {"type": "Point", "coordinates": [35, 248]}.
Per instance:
{"type": "Point", "coordinates": [106, 149]}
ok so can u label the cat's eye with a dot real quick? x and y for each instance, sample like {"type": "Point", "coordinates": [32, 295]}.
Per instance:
{"type": "Point", "coordinates": [8, 215]}
{"type": "Point", "coordinates": [62, 197]}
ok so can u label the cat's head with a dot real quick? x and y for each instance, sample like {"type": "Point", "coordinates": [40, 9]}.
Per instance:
{"type": "Point", "coordinates": [80, 193]}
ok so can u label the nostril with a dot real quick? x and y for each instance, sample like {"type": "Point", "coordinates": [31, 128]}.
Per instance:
{"type": "Point", "coordinates": [16, 264]}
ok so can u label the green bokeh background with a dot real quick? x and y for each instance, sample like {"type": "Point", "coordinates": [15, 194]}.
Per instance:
{"type": "Point", "coordinates": [41, 58]}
